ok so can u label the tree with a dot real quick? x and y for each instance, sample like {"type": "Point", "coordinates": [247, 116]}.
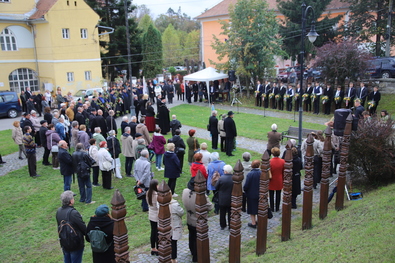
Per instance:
{"type": "Point", "coordinates": [191, 45]}
{"type": "Point", "coordinates": [152, 52]}
{"type": "Point", "coordinates": [144, 23]}
{"type": "Point", "coordinates": [114, 58]}
{"type": "Point", "coordinates": [172, 49]}
{"type": "Point", "coordinates": [292, 27]}
{"type": "Point", "coordinates": [368, 19]}
{"type": "Point", "coordinates": [180, 21]}
{"type": "Point", "coordinates": [140, 12]}
{"type": "Point", "coordinates": [342, 60]}
{"type": "Point", "coordinates": [251, 40]}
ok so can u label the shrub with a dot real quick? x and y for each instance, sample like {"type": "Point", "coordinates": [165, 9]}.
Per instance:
{"type": "Point", "coordinates": [371, 157]}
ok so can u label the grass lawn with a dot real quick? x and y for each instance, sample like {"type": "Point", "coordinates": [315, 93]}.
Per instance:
{"type": "Point", "coordinates": [248, 125]}
{"type": "Point", "coordinates": [7, 144]}
{"type": "Point", "coordinates": [28, 224]}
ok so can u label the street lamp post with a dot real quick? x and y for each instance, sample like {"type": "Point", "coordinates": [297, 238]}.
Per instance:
{"type": "Point", "coordinates": [312, 35]}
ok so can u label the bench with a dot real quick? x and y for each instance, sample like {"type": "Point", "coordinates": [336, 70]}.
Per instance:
{"type": "Point", "coordinates": [293, 133]}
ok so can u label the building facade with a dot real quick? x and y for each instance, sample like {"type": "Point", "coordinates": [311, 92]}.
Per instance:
{"type": "Point", "coordinates": [47, 44]}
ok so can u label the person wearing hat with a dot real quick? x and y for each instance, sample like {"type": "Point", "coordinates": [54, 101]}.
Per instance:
{"type": "Point", "coordinates": [43, 138]}
{"type": "Point", "coordinates": [103, 220]}
{"type": "Point", "coordinates": [69, 213]}
{"type": "Point", "coordinates": [273, 139]}
{"type": "Point", "coordinates": [231, 133]}
{"type": "Point", "coordinates": [189, 201]}
{"type": "Point", "coordinates": [104, 156]}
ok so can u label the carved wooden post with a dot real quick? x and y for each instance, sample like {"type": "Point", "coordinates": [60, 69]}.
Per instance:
{"type": "Point", "coordinates": [203, 242]}
{"type": "Point", "coordinates": [308, 184]}
{"type": "Point", "coordinates": [235, 215]}
{"type": "Point", "coordinates": [118, 213]}
{"type": "Point", "coordinates": [263, 206]}
{"type": "Point", "coordinates": [343, 164]}
{"type": "Point", "coordinates": [326, 170]}
{"type": "Point", "coordinates": [164, 223]}
{"type": "Point", "coordinates": [287, 194]}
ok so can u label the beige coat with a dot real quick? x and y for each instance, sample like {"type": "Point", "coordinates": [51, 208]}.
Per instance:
{"type": "Point", "coordinates": [176, 219]}
{"type": "Point", "coordinates": [154, 208]}
{"type": "Point", "coordinates": [189, 199]}
{"type": "Point", "coordinates": [141, 128]}
{"type": "Point", "coordinates": [221, 128]}
{"type": "Point", "coordinates": [127, 146]}
{"type": "Point", "coordinates": [17, 135]}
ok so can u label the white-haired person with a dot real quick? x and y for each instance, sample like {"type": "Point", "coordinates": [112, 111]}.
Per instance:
{"type": "Point", "coordinates": [273, 139]}
{"type": "Point", "coordinates": [124, 124]}
{"type": "Point", "coordinates": [246, 169]}
{"type": "Point", "coordinates": [224, 187]}
{"type": "Point", "coordinates": [205, 153]}
{"type": "Point", "coordinates": [216, 165]}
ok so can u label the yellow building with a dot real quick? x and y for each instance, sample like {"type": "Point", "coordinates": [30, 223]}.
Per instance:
{"type": "Point", "coordinates": [47, 44]}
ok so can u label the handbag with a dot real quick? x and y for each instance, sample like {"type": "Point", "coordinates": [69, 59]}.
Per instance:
{"type": "Point", "coordinates": [107, 165]}
{"type": "Point", "coordinates": [208, 127]}
{"type": "Point", "coordinates": [180, 150]}
{"type": "Point", "coordinates": [139, 191]}
{"type": "Point", "coordinates": [54, 148]}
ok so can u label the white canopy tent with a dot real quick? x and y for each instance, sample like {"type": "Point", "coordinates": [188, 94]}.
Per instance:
{"type": "Point", "coordinates": [207, 75]}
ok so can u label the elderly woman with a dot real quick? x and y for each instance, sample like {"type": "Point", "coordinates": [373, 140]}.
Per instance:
{"type": "Point", "coordinates": [273, 139]}
{"type": "Point", "coordinates": [36, 126]}
{"type": "Point", "coordinates": [246, 169]}
{"type": "Point", "coordinates": [105, 165]}
{"type": "Point", "coordinates": [103, 220]}
{"type": "Point", "coordinates": [193, 145]}
{"type": "Point", "coordinates": [276, 183]}
{"type": "Point", "coordinates": [93, 151]}
{"type": "Point", "coordinates": [251, 189]}
{"type": "Point", "coordinates": [224, 187]}
{"type": "Point", "coordinates": [83, 137]}
{"type": "Point", "coordinates": [216, 165]}
{"type": "Point", "coordinates": [53, 139]}
{"type": "Point", "coordinates": [205, 153]}
{"type": "Point", "coordinates": [17, 136]}
{"type": "Point", "coordinates": [172, 167]}
{"type": "Point", "coordinates": [197, 165]}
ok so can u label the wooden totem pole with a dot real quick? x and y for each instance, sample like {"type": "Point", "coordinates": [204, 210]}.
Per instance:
{"type": "Point", "coordinates": [343, 164]}
{"type": "Point", "coordinates": [326, 170]}
{"type": "Point", "coordinates": [308, 184]}
{"type": "Point", "coordinates": [203, 242]}
{"type": "Point", "coordinates": [235, 215]}
{"type": "Point", "coordinates": [263, 206]}
{"type": "Point", "coordinates": [164, 223]}
{"type": "Point", "coordinates": [118, 213]}
{"type": "Point", "coordinates": [287, 194]}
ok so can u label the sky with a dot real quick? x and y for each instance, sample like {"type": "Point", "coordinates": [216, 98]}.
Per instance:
{"type": "Point", "coordinates": [192, 8]}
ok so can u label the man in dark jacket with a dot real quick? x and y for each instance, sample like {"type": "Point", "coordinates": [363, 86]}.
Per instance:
{"type": "Point", "coordinates": [79, 116]}
{"type": "Point", "coordinates": [174, 125]}
{"type": "Point", "coordinates": [68, 213]}
{"type": "Point", "coordinates": [133, 125]}
{"type": "Point", "coordinates": [224, 187]}
{"type": "Point", "coordinates": [114, 148]}
{"type": "Point", "coordinates": [110, 120]}
{"type": "Point", "coordinates": [172, 167]}
{"type": "Point", "coordinates": [66, 164]}
{"type": "Point", "coordinates": [231, 133]}
{"type": "Point", "coordinates": [82, 164]}
{"type": "Point", "coordinates": [99, 121]}
{"type": "Point", "coordinates": [179, 145]}
{"type": "Point", "coordinates": [43, 139]}
{"type": "Point", "coordinates": [213, 128]}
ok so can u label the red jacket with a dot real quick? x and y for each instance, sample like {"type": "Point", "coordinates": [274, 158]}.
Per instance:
{"type": "Point", "coordinates": [195, 167]}
{"type": "Point", "coordinates": [277, 170]}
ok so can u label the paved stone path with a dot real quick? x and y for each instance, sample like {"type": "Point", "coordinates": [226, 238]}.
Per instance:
{"type": "Point", "coordinates": [219, 239]}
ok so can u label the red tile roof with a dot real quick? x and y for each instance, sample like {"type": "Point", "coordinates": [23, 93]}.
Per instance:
{"type": "Point", "coordinates": [43, 6]}
{"type": "Point", "coordinates": [222, 8]}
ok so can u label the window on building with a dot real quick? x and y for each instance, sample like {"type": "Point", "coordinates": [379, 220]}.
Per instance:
{"type": "Point", "coordinates": [84, 33]}
{"type": "Point", "coordinates": [22, 78]}
{"type": "Point", "coordinates": [66, 33]}
{"type": "Point", "coordinates": [5, 1]}
{"type": "Point", "coordinates": [7, 40]}
{"type": "Point", "coordinates": [70, 76]}
{"type": "Point", "coordinates": [88, 75]}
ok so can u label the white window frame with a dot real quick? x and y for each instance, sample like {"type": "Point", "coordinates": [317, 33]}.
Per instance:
{"type": "Point", "coordinates": [5, 1]}
{"type": "Point", "coordinates": [84, 33]}
{"type": "Point", "coordinates": [88, 75]}
{"type": "Point", "coordinates": [22, 78]}
{"type": "Point", "coordinates": [70, 76]}
{"type": "Point", "coordinates": [66, 33]}
{"type": "Point", "coordinates": [8, 40]}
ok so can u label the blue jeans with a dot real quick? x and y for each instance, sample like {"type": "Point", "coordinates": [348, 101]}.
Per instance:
{"type": "Point", "coordinates": [73, 257]}
{"type": "Point", "coordinates": [159, 160]}
{"type": "Point", "coordinates": [85, 186]}
{"type": "Point", "coordinates": [67, 182]}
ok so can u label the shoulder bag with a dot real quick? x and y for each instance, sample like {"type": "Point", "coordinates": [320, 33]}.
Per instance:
{"type": "Point", "coordinates": [54, 148]}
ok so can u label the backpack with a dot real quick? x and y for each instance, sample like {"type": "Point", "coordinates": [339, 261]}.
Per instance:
{"type": "Point", "coordinates": [68, 237]}
{"type": "Point", "coordinates": [98, 240]}
{"type": "Point", "coordinates": [215, 178]}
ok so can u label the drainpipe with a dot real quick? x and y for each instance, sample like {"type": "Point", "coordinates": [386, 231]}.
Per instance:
{"type": "Point", "coordinates": [35, 52]}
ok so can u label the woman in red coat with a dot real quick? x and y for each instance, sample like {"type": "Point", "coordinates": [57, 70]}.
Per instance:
{"type": "Point", "coordinates": [197, 165]}
{"type": "Point", "coordinates": [276, 183]}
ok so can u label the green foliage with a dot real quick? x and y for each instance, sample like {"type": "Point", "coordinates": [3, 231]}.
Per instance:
{"type": "Point", "coordinates": [367, 21]}
{"type": "Point", "coordinates": [372, 153]}
{"type": "Point", "coordinates": [115, 55]}
{"type": "Point", "coordinates": [341, 60]}
{"type": "Point", "coordinates": [7, 145]}
{"type": "Point", "coordinates": [172, 70]}
{"type": "Point", "coordinates": [291, 30]}
{"type": "Point", "coordinates": [144, 23]}
{"type": "Point", "coordinates": [172, 49]}
{"type": "Point", "coordinates": [179, 20]}
{"type": "Point", "coordinates": [191, 45]}
{"type": "Point", "coordinates": [249, 40]}
{"type": "Point", "coordinates": [152, 52]}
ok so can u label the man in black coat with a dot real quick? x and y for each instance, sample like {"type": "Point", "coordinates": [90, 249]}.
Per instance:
{"type": "Point", "coordinates": [23, 101]}
{"type": "Point", "coordinates": [99, 121]}
{"type": "Point", "coordinates": [43, 139]}
{"type": "Point", "coordinates": [82, 164]}
{"type": "Point", "coordinates": [317, 91]}
{"type": "Point", "coordinates": [66, 164]}
{"type": "Point", "coordinates": [328, 92]}
{"type": "Point", "coordinates": [258, 94]}
{"type": "Point", "coordinates": [224, 187]}
{"type": "Point", "coordinates": [340, 95]}
{"type": "Point", "coordinates": [174, 125]}
{"type": "Point", "coordinates": [267, 89]}
{"type": "Point", "coordinates": [195, 90]}
{"type": "Point", "coordinates": [376, 97]}
{"type": "Point", "coordinates": [362, 93]}
{"type": "Point", "coordinates": [132, 125]}
{"type": "Point", "coordinates": [350, 93]}
{"type": "Point", "coordinates": [79, 116]}
{"type": "Point", "coordinates": [68, 213]}
{"type": "Point", "coordinates": [275, 91]}
{"type": "Point", "coordinates": [179, 145]}
{"type": "Point", "coordinates": [307, 101]}
{"type": "Point", "coordinates": [358, 109]}
{"type": "Point", "coordinates": [213, 128]}
{"type": "Point", "coordinates": [231, 133]}
{"type": "Point", "coordinates": [281, 92]}
{"type": "Point", "coordinates": [30, 105]}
